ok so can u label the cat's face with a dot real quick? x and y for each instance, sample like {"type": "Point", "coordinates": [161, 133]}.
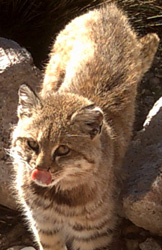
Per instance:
{"type": "Point", "coordinates": [57, 140]}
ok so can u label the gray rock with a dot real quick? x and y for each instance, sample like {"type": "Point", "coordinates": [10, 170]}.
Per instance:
{"type": "Point", "coordinates": [28, 248]}
{"type": "Point", "coordinates": [142, 198]}
{"type": "Point", "coordinates": [15, 248]}
{"type": "Point", "coordinates": [16, 68]}
{"type": "Point", "coordinates": [21, 248]}
{"type": "Point", "coordinates": [150, 244]}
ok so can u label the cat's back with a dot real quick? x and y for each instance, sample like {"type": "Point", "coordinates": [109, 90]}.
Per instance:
{"type": "Point", "coordinates": [99, 56]}
{"type": "Point", "coordinates": [89, 47]}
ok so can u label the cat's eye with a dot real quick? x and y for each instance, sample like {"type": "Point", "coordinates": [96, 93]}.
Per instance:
{"type": "Point", "coordinates": [33, 145]}
{"type": "Point", "coordinates": [61, 151]}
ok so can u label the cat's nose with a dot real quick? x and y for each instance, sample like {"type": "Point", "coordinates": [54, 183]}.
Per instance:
{"type": "Point", "coordinates": [42, 162]}
{"type": "Point", "coordinates": [42, 167]}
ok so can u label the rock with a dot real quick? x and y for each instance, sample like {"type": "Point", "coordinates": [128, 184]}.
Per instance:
{"type": "Point", "coordinates": [21, 248]}
{"type": "Point", "coordinates": [14, 248]}
{"type": "Point", "coordinates": [142, 197]}
{"type": "Point", "coordinates": [16, 68]}
{"type": "Point", "coordinates": [131, 244]}
{"type": "Point", "coordinates": [155, 81]}
{"type": "Point", "coordinates": [28, 248]}
{"type": "Point", "coordinates": [150, 244]}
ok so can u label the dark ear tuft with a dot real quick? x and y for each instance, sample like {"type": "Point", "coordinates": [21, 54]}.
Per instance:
{"type": "Point", "coordinates": [28, 101]}
{"type": "Point", "coordinates": [89, 120]}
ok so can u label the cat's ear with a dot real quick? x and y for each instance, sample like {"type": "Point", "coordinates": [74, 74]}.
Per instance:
{"type": "Point", "coordinates": [28, 101]}
{"type": "Point", "coordinates": [149, 45]}
{"type": "Point", "coordinates": [89, 120]}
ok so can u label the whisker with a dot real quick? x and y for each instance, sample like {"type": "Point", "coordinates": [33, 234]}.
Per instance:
{"type": "Point", "coordinates": [7, 151]}
{"type": "Point", "coordinates": [20, 159]}
{"type": "Point", "coordinates": [76, 135]}
{"type": "Point", "coordinates": [9, 162]}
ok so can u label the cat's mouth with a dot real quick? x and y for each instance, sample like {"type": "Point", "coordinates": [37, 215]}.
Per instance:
{"type": "Point", "coordinates": [41, 176]}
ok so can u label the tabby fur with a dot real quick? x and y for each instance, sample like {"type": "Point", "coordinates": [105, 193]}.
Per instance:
{"type": "Point", "coordinates": [78, 129]}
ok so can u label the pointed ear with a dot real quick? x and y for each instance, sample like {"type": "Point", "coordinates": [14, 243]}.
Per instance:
{"type": "Point", "coordinates": [89, 120]}
{"type": "Point", "coordinates": [149, 44]}
{"type": "Point", "coordinates": [28, 101]}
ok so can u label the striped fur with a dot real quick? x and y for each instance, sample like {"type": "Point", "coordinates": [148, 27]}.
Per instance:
{"type": "Point", "coordinates": [77, 129]}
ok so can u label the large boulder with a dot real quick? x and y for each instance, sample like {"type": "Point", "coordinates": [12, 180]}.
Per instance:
{"type": "Point", "coordinates": [150, 244]}
{"type": "Point", "coordinates": [16, 68]}
{"type": "Point", "coordinates": [142, 198]}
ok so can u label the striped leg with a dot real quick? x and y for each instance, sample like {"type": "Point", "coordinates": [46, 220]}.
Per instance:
{"type": "Point", "coordinates": [51, 240]}
{"type": "Point", "coordinates": [96, 242]}
{"type": "Point", "coordinates": [47, 231]}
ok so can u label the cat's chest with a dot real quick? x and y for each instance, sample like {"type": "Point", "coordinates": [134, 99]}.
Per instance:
{"type": "Point", "coordinates": [50, 216]}
{"type": "Point", "coordinates": [47, 206]}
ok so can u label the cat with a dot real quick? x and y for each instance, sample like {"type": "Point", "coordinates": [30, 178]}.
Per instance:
{"type": "Point", "coordinates": [71, 137]}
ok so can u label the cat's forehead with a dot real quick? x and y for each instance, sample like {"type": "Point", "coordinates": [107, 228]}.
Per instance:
{"type": "Point", "coordinates": [54, 120]}
{"type": "Point", "coordinates": [62, 106]}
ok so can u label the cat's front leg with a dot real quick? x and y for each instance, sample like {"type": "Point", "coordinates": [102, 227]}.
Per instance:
{"type": "Point", "coordinates": [46, 229]}
{"type": "Point", "coordinates": [51, 241]}
{"type": "Point", "coordinates": [100, 242]}
{"type": "Point", "coordinates": [47, 236]}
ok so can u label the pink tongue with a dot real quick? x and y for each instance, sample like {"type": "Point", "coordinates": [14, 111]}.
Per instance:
{"type": "Point", "coordinates": [42, 176]}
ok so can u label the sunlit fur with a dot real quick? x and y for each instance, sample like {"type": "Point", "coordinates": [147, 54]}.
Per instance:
{"type": "Point", "coordinates": [87, 104]}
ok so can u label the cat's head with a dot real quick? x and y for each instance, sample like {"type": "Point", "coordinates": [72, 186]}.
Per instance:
{"type": "Point", "coordinates": [58, 139]}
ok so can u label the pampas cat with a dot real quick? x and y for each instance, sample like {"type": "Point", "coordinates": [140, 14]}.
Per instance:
{"type": "Point", "coordinates": [70, 138]}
